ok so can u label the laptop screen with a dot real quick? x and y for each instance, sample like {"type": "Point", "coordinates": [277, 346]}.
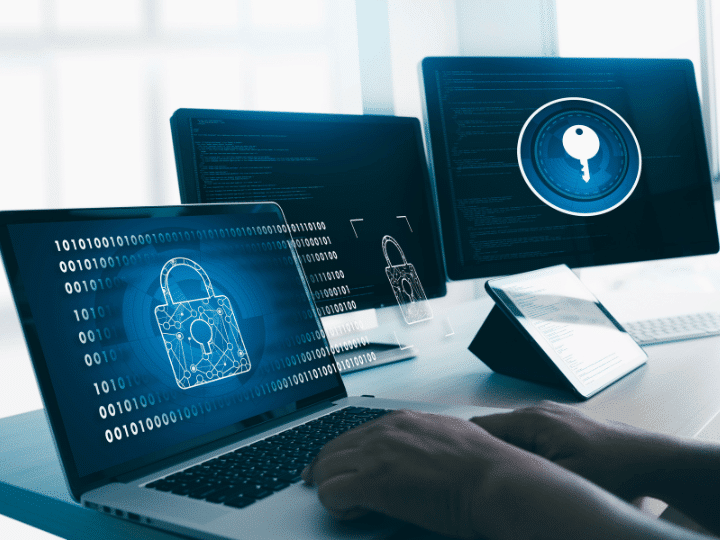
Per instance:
{"type": "Point", "coordinates": [150, 328]}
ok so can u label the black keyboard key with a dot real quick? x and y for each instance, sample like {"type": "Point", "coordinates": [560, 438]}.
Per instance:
{"type": "Point", "coordinates": [290, 478]}
{"type": "Point", "coordinates": [206, 491]}
{"type": "Point", "coordinates": [226, 494]}
{"type": "Point", "coordinates": [258, 492]}
{"type": "Point", "coordinates": [182, 489]}
{"type": "Point", "coordinates": [273, 483]}
{"type": "Point", "coordinates": [240, 501]}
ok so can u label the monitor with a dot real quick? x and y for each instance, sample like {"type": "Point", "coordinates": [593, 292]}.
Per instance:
{"type": "Point", "coordinates": [344, 182]}
{"type": "Point", "coordinates": [544, 161]}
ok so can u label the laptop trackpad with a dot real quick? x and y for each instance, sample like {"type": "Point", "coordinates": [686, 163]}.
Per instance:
{"type": "Point", "coordinates": [296, 514]}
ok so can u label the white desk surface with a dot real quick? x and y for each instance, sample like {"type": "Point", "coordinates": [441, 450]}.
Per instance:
{"type": "Point", "coordinates": [676, 392]}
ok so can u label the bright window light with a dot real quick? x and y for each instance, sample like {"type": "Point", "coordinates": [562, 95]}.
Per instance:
{"type": "Point", "coordinates": [287, 13]}
{"type": "Point", "coordinates": [288, 83]}
{"type": "Point", "coordinates": [194, 15]}
{"type": "Point", "coordinates": [211, 80]}
{"type": "Point", "coordinates": [23, 138]}
{"type": "Point", "coordinates": [96, 16]}
{"type": "Point", "coordinates": [20, 16]}
{"type": "Point", "coordinates": [629, 29]}
{"type": "Point", "coordinates": [196, 81]}
{"type": "Point", "coordinates": [102, 130]}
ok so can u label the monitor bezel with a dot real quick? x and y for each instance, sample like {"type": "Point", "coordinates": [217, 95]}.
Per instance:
{"type": "Point", "coordinates": [436, 156]}
{"type": "Point", "coordinates": [190, 193]}
{"type": "Point", "coordinates": [77, 484]}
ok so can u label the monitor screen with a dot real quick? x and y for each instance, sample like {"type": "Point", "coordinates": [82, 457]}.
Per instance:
{"type": "Point", "coordinates": [543, 161]}
{"type": "Point", "coordinates": [153, 330]}
{"type": "Point", "coordinates": [344, 182]}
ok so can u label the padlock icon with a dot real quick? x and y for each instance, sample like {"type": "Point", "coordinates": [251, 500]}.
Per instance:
{"type": "Point", "coordinates": [406, 286]}
{"type": "Point", "coordinates": [201, 337]}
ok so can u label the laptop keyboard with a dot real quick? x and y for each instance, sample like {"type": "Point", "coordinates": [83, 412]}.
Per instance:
{"type": "Point", "coordinates": [243, 476]}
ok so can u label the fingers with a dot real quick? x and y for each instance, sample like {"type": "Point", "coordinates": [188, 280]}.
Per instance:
{"type": "Point", "coordinates": [340, 446]}
{"type": "Point", "coordinates": [503, 420]}
{"type": "Point", "coordinates": [521, 426]}
{"type": "Point", "coordinates": [343, 496]}
{"type": "Point", "coordinates": [331, 465]}
{"type": "Point", "coordinates": [495, 424]}
{"type": "Point", "coordinates": [337, 470]}
{"type": "Point", "coordinates": [340, 487]}
{"type": "Point", "coordinates": [515, 428]}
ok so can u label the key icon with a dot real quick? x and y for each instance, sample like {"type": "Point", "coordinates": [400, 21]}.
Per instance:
{"type": "Point", "coordinates": [582, 143]}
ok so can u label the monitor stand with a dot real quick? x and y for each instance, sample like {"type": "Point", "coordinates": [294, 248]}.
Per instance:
{"type": "Point", "coordinates": [342, 328]}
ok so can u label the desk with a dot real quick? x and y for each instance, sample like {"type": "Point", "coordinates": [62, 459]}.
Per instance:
{"type": "Point", "coordinates": [676, 393]}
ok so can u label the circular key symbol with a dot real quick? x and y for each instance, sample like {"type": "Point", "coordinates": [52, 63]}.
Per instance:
{"type": "Point", "coordinates": [582, 143]}
{"type": "Point", "coordinates": [565, 130]}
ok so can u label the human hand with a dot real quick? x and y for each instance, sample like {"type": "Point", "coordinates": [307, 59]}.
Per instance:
{"type": "Point", "coordinates": [417, 467]}
{"type": "Point", "coordinates": [617, 457]}
{"type": "Point", "coordinates": [451, 477]}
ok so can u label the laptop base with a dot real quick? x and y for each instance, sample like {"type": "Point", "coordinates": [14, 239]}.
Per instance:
{"type": "Point", "coordinates": [384, 353]}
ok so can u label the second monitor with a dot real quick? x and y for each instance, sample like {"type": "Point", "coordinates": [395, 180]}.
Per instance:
{"type": "Point", "coordinates": [354, 189]}
{"type": "Point", "coordinates": [582, 161]}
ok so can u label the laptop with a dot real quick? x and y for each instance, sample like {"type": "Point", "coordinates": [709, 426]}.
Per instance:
{"type": "Point", "coordinates": [184, 370]}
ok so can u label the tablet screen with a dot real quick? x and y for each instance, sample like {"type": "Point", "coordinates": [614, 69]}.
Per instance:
{"type": "Point", "coordinates": [573, 328]}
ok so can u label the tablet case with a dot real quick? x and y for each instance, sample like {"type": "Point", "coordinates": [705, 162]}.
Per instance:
{"type": "Point", "coordinates": [502, 347]}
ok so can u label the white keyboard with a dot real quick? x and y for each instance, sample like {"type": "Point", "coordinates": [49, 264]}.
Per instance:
{"type": "Point", "coordinates": [654, 331]}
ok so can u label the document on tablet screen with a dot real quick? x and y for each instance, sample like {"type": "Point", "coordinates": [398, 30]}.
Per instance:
{"type": "Point", "coordinates": [571, 325]}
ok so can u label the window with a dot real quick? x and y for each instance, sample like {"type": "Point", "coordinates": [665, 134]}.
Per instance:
{"type": "Point", "coordinates": [88, 88]}
{"type": "Point", "coordinates": [629, 29]}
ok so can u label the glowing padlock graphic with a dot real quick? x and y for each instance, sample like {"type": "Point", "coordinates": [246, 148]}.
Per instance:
{"type": "Point", "coordinates": [202, 338]}
{"type": "Point", "coordinates": [406, 286]}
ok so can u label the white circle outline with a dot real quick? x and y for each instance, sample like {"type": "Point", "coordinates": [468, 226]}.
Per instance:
{"type": "Point", "coordinates": [522, 170]}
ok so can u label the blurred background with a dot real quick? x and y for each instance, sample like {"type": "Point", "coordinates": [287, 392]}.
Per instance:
{"type": "Point", "coordinates": [87, 88]}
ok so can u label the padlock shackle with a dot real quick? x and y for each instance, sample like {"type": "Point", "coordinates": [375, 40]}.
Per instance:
{"type": "Point", "coordinates": [182, 261]}
{"type": "Point", "coordinates": [385, 241]}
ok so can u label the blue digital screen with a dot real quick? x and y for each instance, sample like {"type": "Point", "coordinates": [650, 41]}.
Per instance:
{"type": "Point", "coordinates": [139, 364]}
{"type": "Point", "coordinates": [577, 161]}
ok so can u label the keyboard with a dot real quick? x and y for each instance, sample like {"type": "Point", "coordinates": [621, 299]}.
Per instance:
{"type": "Point", "coordinates": [248, 474]}
{"type": "Point", "coordinates": [682, 327]}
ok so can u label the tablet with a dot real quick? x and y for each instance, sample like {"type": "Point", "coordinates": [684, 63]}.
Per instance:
{"type": "Point", "coordinates": [569, 327]}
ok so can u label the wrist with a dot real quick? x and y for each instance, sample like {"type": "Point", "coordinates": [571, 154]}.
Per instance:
{"type": "Point", "coordinates": [526, 496]}
{"type": "Point", "coordinates": [672, 466]}
{"type": "Point", "coordinates": [641, 462]}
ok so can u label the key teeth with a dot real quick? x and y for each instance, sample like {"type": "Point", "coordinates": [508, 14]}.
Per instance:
{"type": "Point", "coordinates": [585, 171]}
